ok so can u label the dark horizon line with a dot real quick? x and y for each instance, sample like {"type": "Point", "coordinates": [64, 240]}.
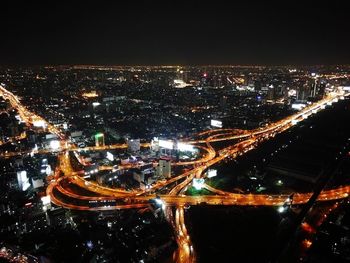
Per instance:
{"type": "Point", "coordinates": [172, 65]}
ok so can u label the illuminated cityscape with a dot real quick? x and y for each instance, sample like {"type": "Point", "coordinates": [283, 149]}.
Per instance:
{"type": "Point", "coordinates": [171, 161]}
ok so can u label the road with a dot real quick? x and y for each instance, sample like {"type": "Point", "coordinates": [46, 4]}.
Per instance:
{"type": "Point", "coordinates": [242, 142]}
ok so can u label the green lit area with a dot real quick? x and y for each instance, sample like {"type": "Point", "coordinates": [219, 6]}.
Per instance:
{"type": "Point", "coordinates": [191, 191]}
{"type": "Point", "coordinates": [99, 135]}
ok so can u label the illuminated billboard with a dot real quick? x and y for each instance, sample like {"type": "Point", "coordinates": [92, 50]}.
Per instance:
{"type": "Point", "coordinates": [216, 123]}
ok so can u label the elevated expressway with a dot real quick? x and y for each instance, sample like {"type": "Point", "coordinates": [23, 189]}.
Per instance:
{"type": "Point", "coordinates": [110, 198]}
{"type": "Point", "coordinates": [243, 142]}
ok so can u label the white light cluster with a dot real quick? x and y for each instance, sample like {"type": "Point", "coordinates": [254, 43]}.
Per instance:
{"type": "Point", "coordinates": [298, 106]}
{"type": "Point", "coordinates": [39, 124]}
{"type": "Point", "coordinates": [55, 145]}
{"type": "Point", "coordinates": [216, 123]}
{"type": "Point", "coordinates": [23, 180]}
{"type": "Point", "coordinates": [212, 173]}
{"type": "Point", "coordinates": [110, 156]}
{"type": "Point", "coordinates": [197, 183]}
{"type": "Point", "coordinates": [185, 147]}
{"type": "Point", "coordinates": [166, 144]}
{"type": "Point", "coordinates": [46, 200]}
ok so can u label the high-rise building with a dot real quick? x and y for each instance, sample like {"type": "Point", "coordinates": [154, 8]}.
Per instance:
{"type": "Point", "coordinates": [164, 168]}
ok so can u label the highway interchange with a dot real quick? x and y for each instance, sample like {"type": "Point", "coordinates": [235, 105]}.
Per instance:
{"type": "Point", "coordinates": [242, 141]}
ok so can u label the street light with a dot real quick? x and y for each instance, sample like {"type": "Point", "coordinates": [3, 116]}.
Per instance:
{"type": "Point", "coordinates": [281, 209]}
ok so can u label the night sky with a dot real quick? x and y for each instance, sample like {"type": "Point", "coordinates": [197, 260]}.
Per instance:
{"type": "Point", "coordinates": [174, 32]}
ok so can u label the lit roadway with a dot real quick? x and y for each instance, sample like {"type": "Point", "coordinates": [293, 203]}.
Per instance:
{"type": "Point", "coordinates": [242, 141]}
